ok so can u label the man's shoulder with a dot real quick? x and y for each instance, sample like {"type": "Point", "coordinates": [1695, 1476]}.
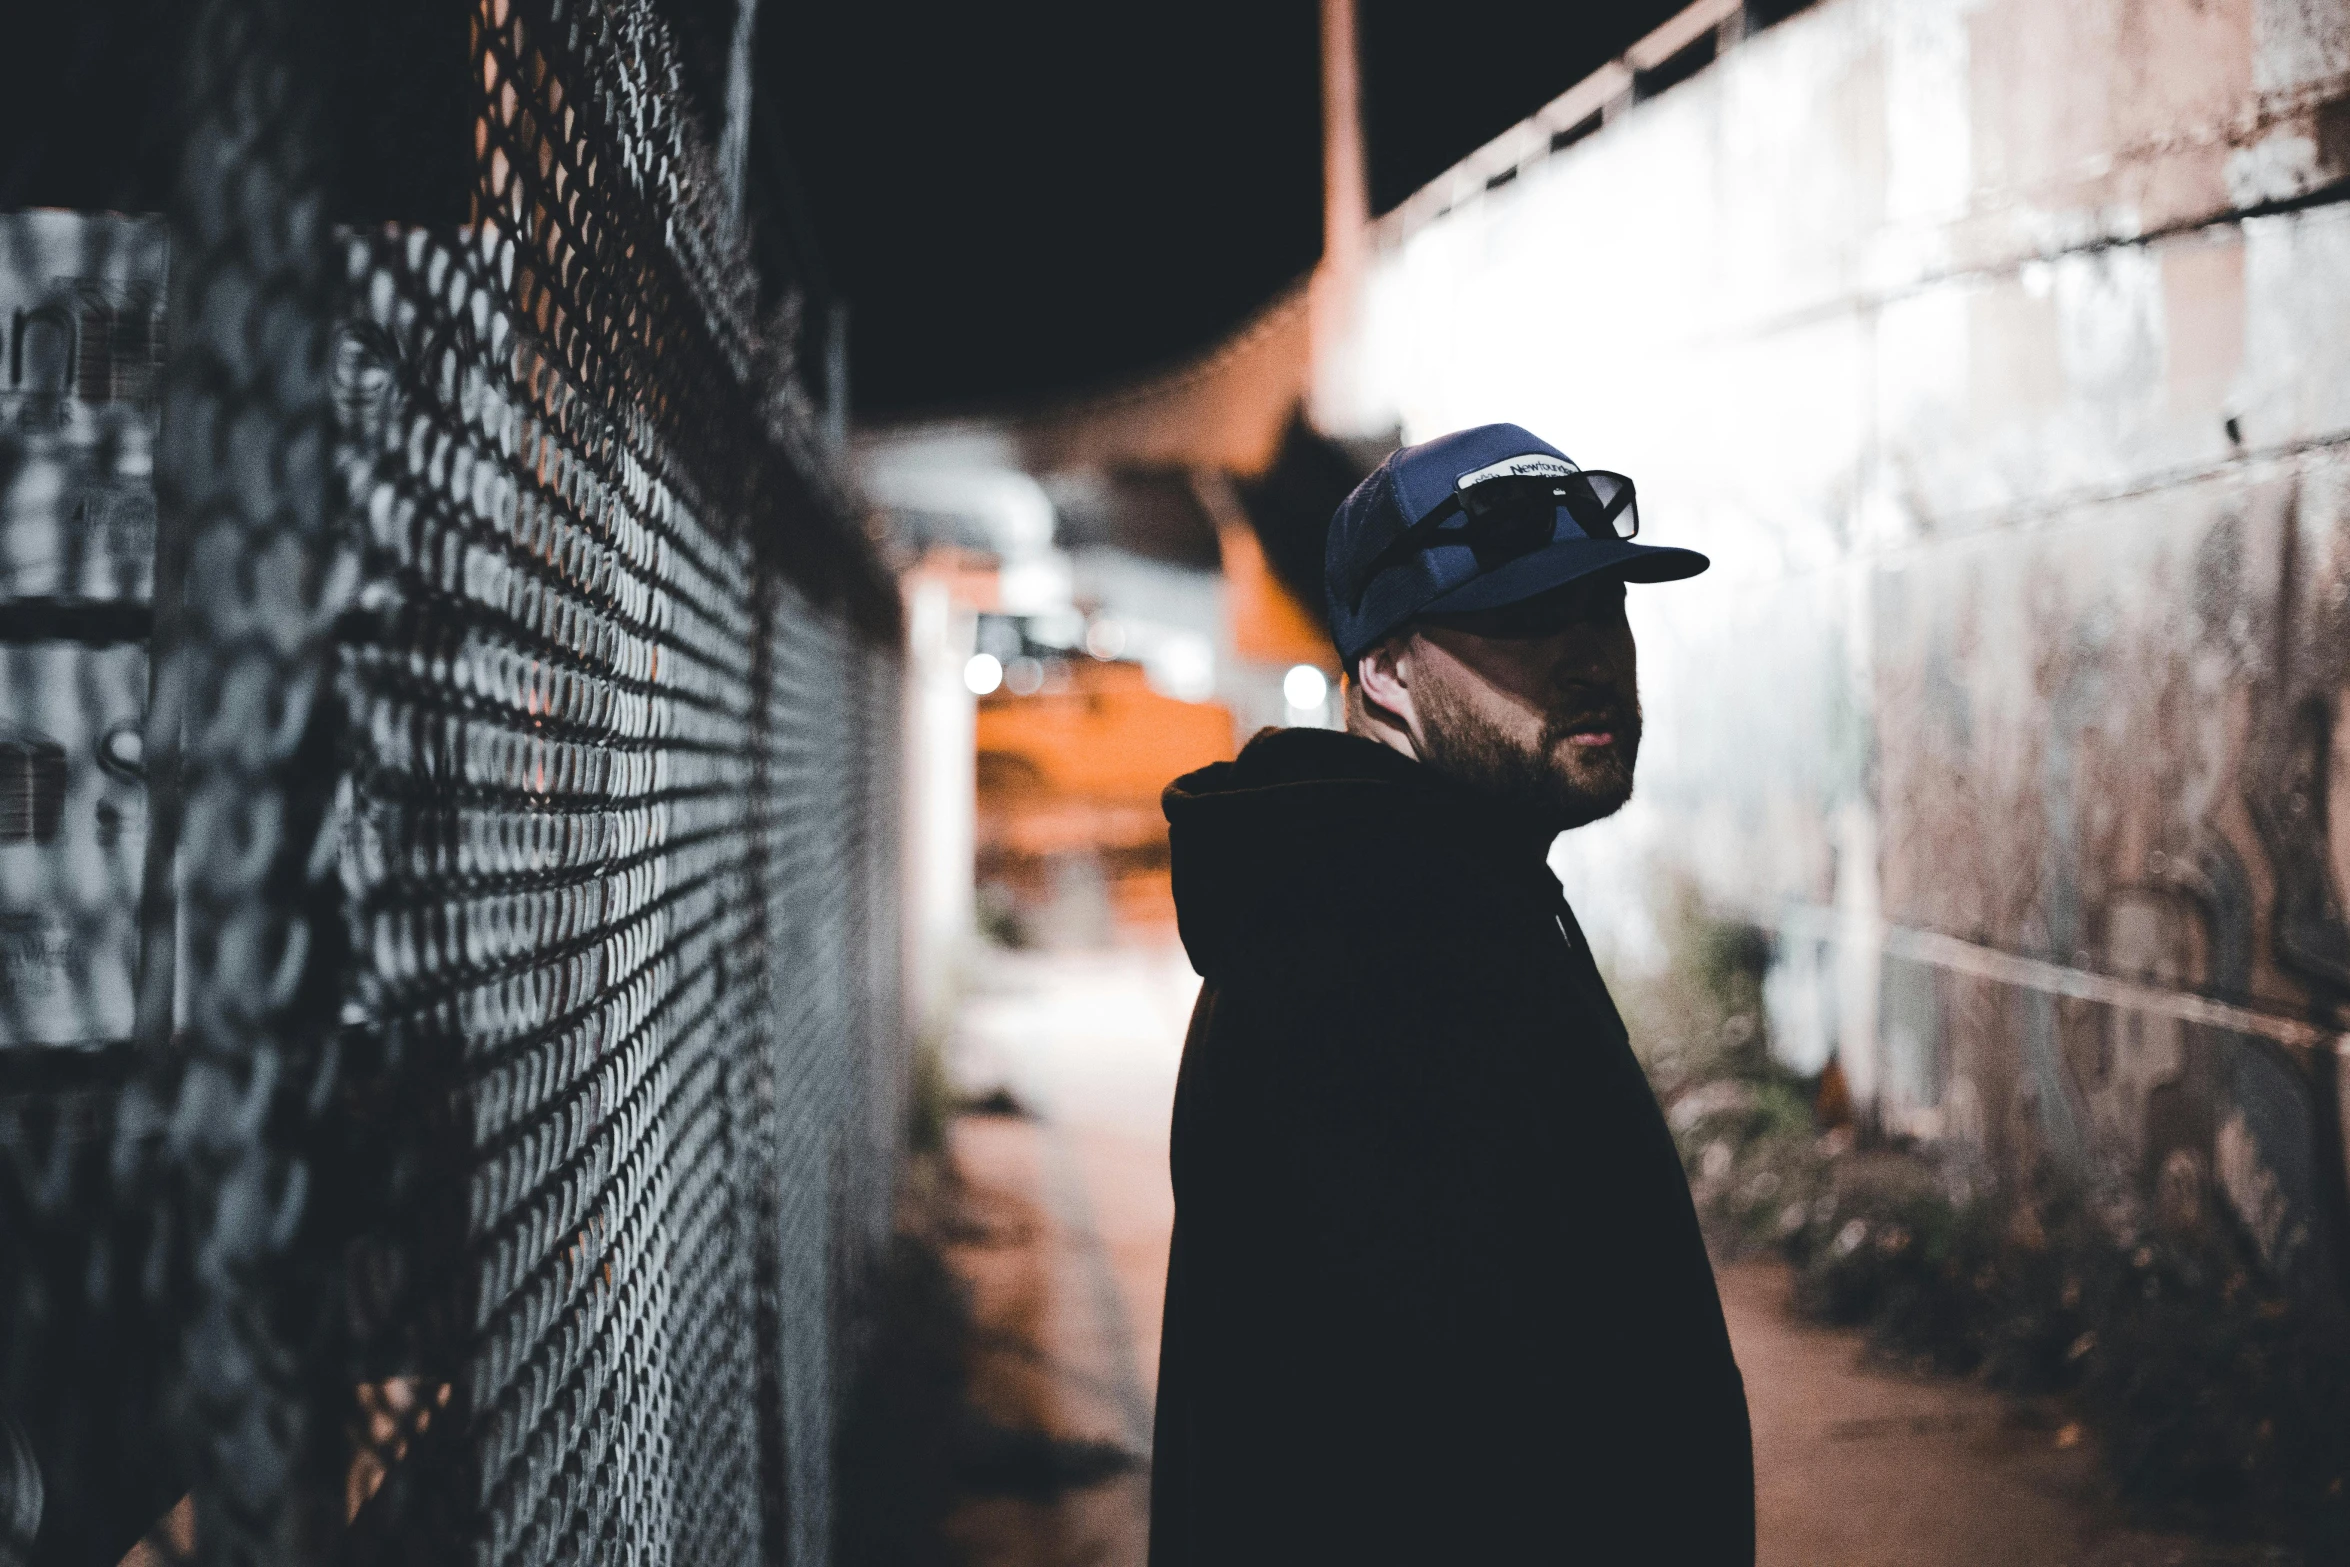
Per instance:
{"type": "Point", "coordinates": [1438, 984]}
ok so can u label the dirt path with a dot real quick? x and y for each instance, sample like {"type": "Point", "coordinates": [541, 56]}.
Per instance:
{"type": "Point", "coordinates": [1067, 1257]}
{"type": "Point", "coordinates": [1855, 1466]}
{"type": "Point", "coordinates": [1051, 1372]}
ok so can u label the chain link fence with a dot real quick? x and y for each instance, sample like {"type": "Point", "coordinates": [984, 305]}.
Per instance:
{"type": "Point", "coordinates": [450, 1058]}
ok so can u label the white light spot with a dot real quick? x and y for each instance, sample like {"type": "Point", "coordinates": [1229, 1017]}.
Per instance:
{"type": "Point", "coordinates": [1062, 627]}
{"type": "Point", "coordinates": [1105, 638]}
{"type": "Point", "coordinates": [1304, 687]}
{"type": "Point", "coordinates": [1033, 586]}
{"type": "Point", "coordinates": [1024, 677]}
{"type": "Point", "coordinates": [983, 674]}
{"type": "Point", "coordinates": [1182, 666]}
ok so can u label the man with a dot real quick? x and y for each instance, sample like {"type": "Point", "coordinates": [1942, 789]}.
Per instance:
{"type": "Point", "coordinates": [1437, 1292]}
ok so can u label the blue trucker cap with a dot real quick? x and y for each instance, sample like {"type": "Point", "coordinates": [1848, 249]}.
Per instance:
{"type": "Point", "coordinates": [1475, 520]}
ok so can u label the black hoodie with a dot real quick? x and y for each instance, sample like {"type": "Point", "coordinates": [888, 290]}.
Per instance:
{"type": "Point", "coordinates": [1437, 1292]}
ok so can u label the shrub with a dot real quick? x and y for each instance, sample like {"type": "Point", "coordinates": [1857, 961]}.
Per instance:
{"type": "Point", "coordinates": [2220, 1401]}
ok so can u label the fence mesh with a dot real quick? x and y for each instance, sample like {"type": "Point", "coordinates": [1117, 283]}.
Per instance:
{"type": "Point", "coordinates": [449, 1058]}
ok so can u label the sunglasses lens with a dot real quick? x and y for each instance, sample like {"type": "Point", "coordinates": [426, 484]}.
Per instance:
{"type": "Point", "coordinates": [1602, 504]}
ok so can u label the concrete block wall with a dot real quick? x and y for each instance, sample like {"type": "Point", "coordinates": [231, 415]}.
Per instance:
{"type": "Point", "coordinates": [1999, 353]}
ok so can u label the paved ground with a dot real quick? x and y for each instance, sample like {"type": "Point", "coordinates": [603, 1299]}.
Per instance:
{"type": "Point", "coordinates": [1069, 1213]}
{"type": "Point", "coordinates": [1858, 1465]}
{"type": "Point", "coordinates": [1054, 1355]}
{"type": "Point", "coordinates": [1066, 1251]}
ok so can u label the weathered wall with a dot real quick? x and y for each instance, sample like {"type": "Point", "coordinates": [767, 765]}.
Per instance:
{"type": "Point", "coordinates": [1999, 353]}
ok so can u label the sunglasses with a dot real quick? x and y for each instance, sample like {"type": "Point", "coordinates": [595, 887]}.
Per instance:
{"type": "Point", "coordinates": [1504, 518]}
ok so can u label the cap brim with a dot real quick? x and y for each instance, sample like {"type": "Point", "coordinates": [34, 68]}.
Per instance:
{"type": "Point", "coordinates": [1568, 560]}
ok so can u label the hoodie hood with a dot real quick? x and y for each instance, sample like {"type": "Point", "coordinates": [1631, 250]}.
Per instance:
{"type": "Point", "coordinates": [1311, 834]}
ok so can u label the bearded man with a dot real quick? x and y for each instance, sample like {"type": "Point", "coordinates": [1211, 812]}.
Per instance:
{"type": "Point", "coordinates": [1437, 1292]}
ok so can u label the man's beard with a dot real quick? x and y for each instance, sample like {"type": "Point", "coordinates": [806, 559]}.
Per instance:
{"type": "Point", "coordinates": [1564, 784]}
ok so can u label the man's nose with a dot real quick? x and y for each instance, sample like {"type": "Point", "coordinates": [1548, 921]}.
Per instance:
{"type": "Point", "coordinates": [1583, 660]}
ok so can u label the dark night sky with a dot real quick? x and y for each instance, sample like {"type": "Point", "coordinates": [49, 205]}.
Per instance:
{"type": "Point", "coordinates": [1033, 199]}
{"type": "Point", "coordinates": [1019, 201]}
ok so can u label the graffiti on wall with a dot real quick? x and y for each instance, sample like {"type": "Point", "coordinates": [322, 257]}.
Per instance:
{"type": "Point", "coordinates": [1999, 355]}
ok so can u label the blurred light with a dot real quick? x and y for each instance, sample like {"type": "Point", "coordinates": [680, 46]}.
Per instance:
{"type": "Point", "coordinates": [1024, 677]}
{"type": "Point", "coordinates": [1063, 627]}
{"type": "Point", "coordinates": [1182, 666]}
{"type": "Point", "coordinates": [1105, 638]}
{"type": "Point", "coordinates": [1033, 586]}
{"type": "Point", "coordinates": [983, 674]}
{"type": "Point", "coordinates": [1304, 687]}
{"type": "Point", "coordinates": [1000, 635]}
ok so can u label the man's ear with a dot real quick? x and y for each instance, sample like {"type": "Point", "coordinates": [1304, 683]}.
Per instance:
{"type": "Point", "coordinates": [1384, 674]}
